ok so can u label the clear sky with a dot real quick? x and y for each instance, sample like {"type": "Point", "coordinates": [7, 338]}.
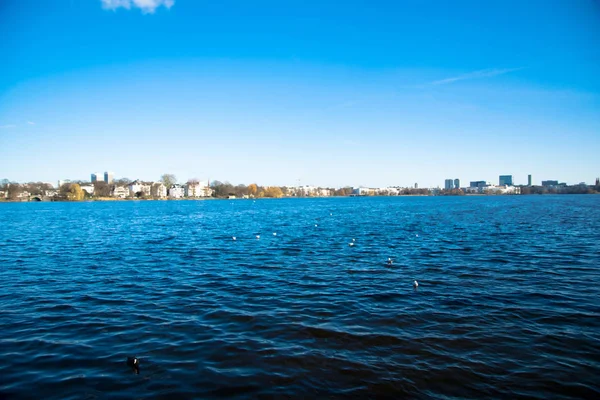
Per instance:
{"type": "Point", "coordinates": [327, 93]}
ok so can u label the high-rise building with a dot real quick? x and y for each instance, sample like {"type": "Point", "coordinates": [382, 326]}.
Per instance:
{"type": "Point", "coordinates": [96, 177]}
{"type": "Point", "coordinates": [417, 186]}
{"type": "Point", "coordinates": [457, 183]}
{"type": "Point", "coordinates": [109, 177]}
{"type": "Point", "coordinates": [529, 180]}
{"type": "Point", "coordinates": [478, 184]}
{"type": "Point", "coordinates": [448, 185]}
{"type": "Point", "coordinates": [549, 183]}
{"type": "Point", "coordinates": [505, 180]}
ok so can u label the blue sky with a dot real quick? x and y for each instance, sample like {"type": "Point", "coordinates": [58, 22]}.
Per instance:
{"type": "Point", "coordinates": [369, 93]}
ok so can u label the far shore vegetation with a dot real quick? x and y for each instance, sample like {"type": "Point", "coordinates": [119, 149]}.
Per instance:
{"type": "Point", "coordinates": [167, 188]}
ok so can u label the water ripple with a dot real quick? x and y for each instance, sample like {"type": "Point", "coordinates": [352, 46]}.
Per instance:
{"type": "Point", "coordinates": [507, 304]}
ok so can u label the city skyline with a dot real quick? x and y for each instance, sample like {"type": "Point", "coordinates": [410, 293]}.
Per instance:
{"type": "Point", "coordinates": [449, 183]}
{"type": "Point", "coordinates": [309, 93]}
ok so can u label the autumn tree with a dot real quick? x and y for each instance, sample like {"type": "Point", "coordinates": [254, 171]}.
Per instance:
{"type": "Point", "coordinates": [273, 191]}
{"type": "Point", "coordinates": [75, 192]}
{"type": "Point", "coordinates": [252, 189]}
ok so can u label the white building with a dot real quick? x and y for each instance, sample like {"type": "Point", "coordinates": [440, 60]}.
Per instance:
{"type": "Point", "coordinates": [197, 189]}
{"type": "Point", "coordinates": [388, 191]}
{"type": "Point", "coordinates": [137, 186]}
{"type": "Point", "coordinates": [159, 190]}
{"type": "Point", "coordinates": [176, 191]}
{"type": "Point", "coordinates": [363, 191]}
{"type": "Point", "coordinates": [120, 192]}
{"type": "Point", "coordinates": [89, 189]}
{"type": "Point", "coordinates": [504, 189]}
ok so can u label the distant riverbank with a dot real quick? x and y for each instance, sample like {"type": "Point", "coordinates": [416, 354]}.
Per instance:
{"type": "Point", "coordinates": [117, 199]}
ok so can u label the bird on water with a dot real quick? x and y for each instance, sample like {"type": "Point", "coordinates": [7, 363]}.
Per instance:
{"type": "Point", "coordinates": [416, 285]}
{"type": "Point", "coordinates": [134, 363]}
{"type": "Point", "coordinates": [389, 261]}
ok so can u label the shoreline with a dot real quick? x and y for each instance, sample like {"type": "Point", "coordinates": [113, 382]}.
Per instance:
{"type": "Point", "coordinates": [111, 199]}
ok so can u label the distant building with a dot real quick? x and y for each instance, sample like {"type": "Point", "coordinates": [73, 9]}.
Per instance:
{"type": "Point", "coordinates": [109, 177]}
{"type": "Point", "coordinates": [138, 188]}
{"type": "Point", "coordinates": [505, 189]}
{"type": "Point", "coordinates": [120, 192]}
{"type": "Point", "coordinates": [176, 191]}
{"type": "Point", "coordinates": [363, 191]}
{"type": "Point", "coordinates": [89, 189]}
{"type": "Point", "coordinates": [529, 180]}
{"type": "Point", "coordinates": [324, 192]}
{"type": "Point", "coordinates": [159, 190]}
{"type": "Point", "coordinates": [448, 184]}
{"type": "Point", "coordinates": [197, 189]}
{"type": "Point", "coordinates": [416, 186]}
{"type": "Point", "coordinates": [478, 184]}
{"type": "Point", "coordinates": [457, 183]}
{"type": "Point", "coordinates": [96, 177]}
{"type": "Point", "coordinates": [549, 183]}
{"type": "Point", "coordinates": [505, 180]}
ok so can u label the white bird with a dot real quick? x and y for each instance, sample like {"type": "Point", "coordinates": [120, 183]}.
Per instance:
{"type": "Point", "coordinates": [417, 235]}
{"type": "Point", "coordinates": [415, 284]}
{"type": "Point", "coordinates": [354, 240]}
{"type": "Point", "coordinates": [350, 244]}
{"type": "Point", "coordinates": [274, 233]}
{"type": "Point", "coordinates": [258, 236]}
{"type": "Point", "coordinates": [389, 261]}
{"type": "Point", "coordinates": [316, 225]}
{"type": "Point", "coordinates": [233, 237]}
{"type": "Point", "coordinates": [330, 213]}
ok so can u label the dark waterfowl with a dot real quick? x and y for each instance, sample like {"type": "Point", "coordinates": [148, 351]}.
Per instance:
{"type": "Point", "coordinates": [134, 363]}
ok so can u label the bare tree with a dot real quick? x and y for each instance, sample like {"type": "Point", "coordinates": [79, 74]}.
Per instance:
{"type": "Point", "coordinates": [168, 180]}
{"type": "Point", "coordinates": [14, 190]}
{"type": "Point", "coordinates": [101, 189]}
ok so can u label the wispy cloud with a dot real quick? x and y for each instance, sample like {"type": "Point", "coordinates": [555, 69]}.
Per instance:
{"type": "Point", "coordinates": [484, 73]}
{"type": "Point", "coordinates": [7, 126]}
{"type": "Point", "coordinates": [147, 6]}
{"type": "Point", "coordinates": [30, 123]}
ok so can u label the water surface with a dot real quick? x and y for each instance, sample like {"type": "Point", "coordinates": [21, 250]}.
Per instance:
{"type": "Point", "coordinates": [508, 303]}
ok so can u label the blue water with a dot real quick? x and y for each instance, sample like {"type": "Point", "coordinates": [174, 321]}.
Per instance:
{"type": "Point", "coordinates": [508, 303]}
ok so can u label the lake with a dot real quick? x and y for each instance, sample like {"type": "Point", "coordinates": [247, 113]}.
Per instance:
{"type": "Point", "coordinates": [507, 306]}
